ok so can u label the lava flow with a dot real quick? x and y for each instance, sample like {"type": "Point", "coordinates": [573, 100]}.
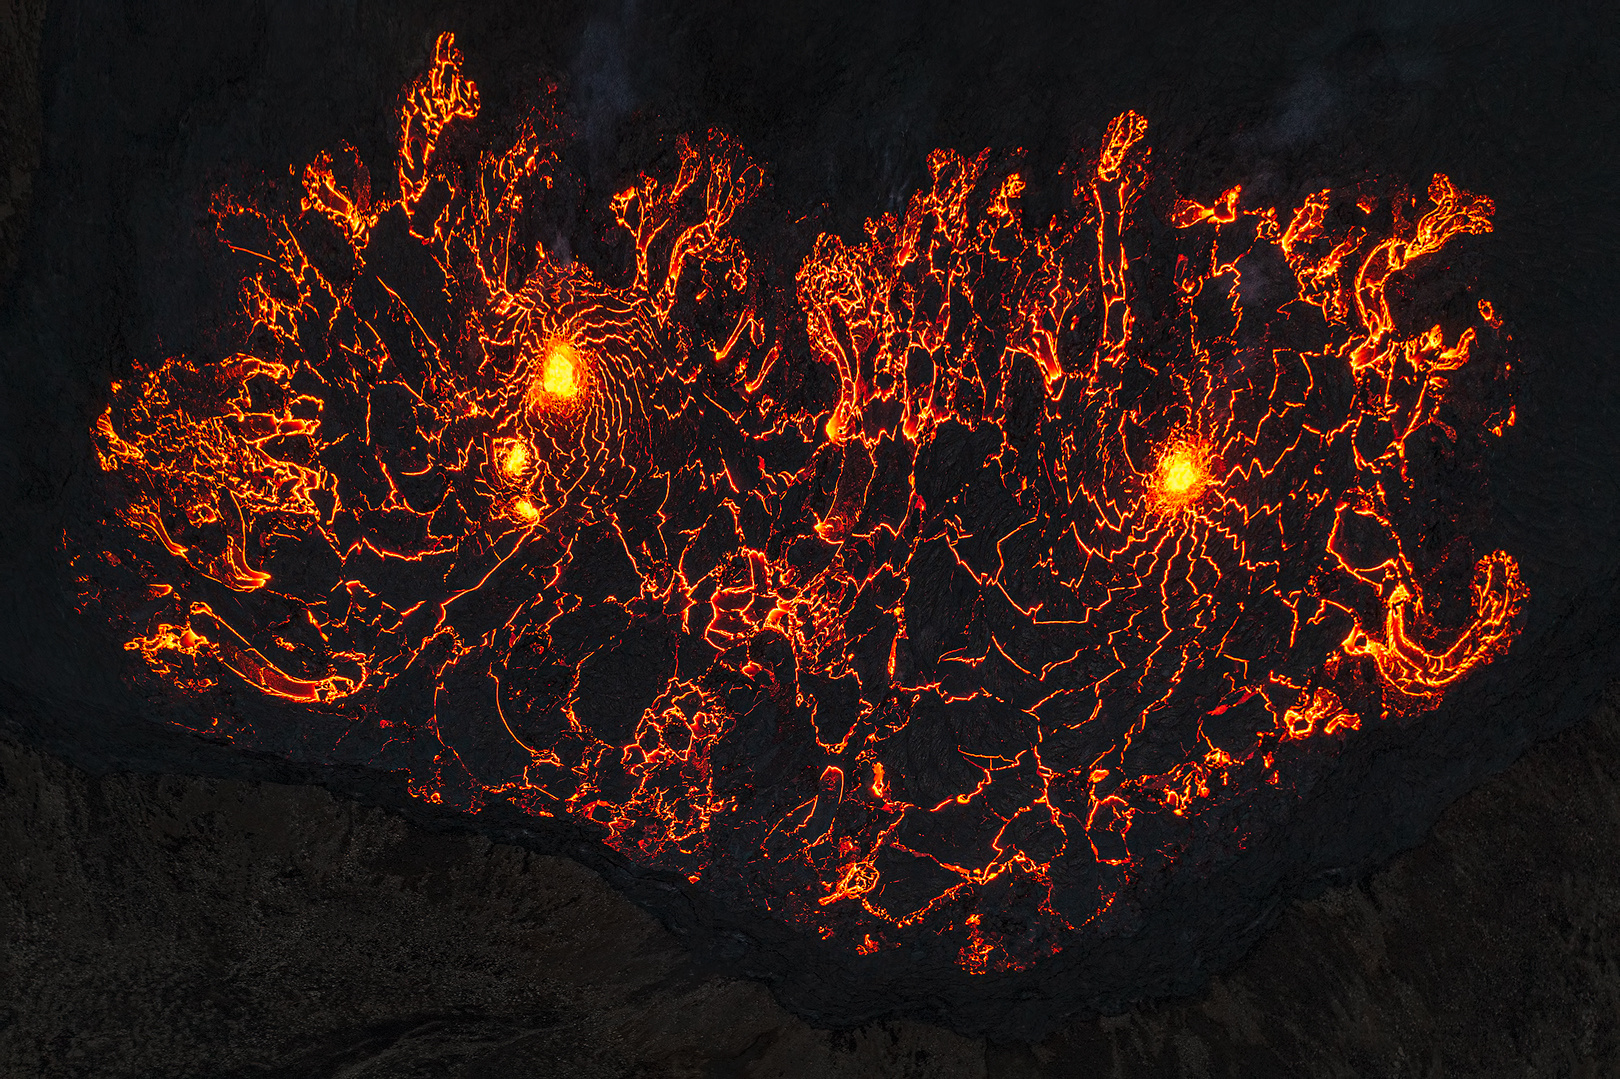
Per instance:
{"type": "Point", "coordinates": [962, 587]}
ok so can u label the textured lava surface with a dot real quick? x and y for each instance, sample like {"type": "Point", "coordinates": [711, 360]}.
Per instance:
{"type": "Point", "coordinates": [1002, 597]}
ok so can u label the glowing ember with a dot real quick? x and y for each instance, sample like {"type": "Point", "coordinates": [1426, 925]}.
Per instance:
{"type": "Point", "coordinates": [923, 658]}
{"type": "Point", "coordinates": [560, 374]}
{"type": "Point", "coordinates": [1182, 475]}
{"type": "Point", "coordinates": [515, 458]}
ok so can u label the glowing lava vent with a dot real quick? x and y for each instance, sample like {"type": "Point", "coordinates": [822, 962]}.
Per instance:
{"type": "Point", "coordinates": [965, 594]}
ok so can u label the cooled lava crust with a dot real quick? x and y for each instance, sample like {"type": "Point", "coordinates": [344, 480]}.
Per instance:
{"type": "Point", "coordinates": [935, 606]}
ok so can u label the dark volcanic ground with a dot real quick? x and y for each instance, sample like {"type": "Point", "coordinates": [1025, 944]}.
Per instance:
{"type": "Point", "coordinates": [161, 925]}
{"type": "Point", "coordinates": [158, 926]}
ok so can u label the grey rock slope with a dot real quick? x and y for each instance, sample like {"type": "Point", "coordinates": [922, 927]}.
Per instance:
{"type": "Point", "coordinates": [158, 926]}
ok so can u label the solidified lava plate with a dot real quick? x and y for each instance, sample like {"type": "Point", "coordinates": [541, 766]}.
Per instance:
{"type": "Point", "coordinates": [945, 607]}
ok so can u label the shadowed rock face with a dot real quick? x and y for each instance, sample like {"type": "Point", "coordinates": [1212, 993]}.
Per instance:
{"type": "Point", "coordinates": [844, 110]}
{"type": "Point", "coordinates": [185, 927]}
{"type": "Point", "coordinates": [20, 26]}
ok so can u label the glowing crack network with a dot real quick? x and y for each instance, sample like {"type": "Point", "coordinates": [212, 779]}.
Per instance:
{"type": "Point", "coordinates": [962, 586]}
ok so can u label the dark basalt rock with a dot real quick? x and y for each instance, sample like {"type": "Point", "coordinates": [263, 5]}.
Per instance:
{"type": "Point", "coordinates": [145, 111]}
{"type": "Point", "coordinates": [221, 928]}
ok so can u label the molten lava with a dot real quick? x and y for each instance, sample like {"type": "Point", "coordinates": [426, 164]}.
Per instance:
{"type": "Point", "coordinates": [559, 375]}
{"type": "Point", "coordinates": [996, 574]}
{"type": "Point", "coordinates": [514, 457]}
{"type": "Point", "coordinates": [1182, 475]}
